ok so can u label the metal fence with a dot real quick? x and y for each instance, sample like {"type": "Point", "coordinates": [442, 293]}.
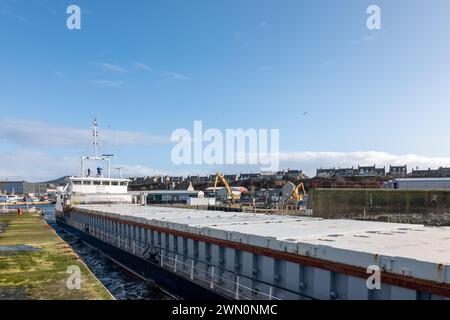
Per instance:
{"type": "Point", "coordinates": [224, 281]}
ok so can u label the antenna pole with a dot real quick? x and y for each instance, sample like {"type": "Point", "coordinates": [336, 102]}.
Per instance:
{"type": "Point", "coordinates": [104, 157]}
{"type": "Point", "coordinates": [95, 134]}
{"type": "Point", "coordinates": [109, 167]}
{"type": "Point", "coordinates": [82, 166]}
{"type": "Point", "coordinates": [120, 169]}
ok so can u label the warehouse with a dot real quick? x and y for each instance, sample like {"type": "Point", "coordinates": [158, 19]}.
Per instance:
{"type": "Point", "coordinates": [419, 184]}
{"type": "Point", "coordinates": [172, 196]}
{"type": "Point", "coordinates": [23, 188]}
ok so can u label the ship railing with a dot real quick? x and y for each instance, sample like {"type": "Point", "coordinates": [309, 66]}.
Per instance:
{"type": "Point", "coordinates": [212, 279]}
{"type": "Point", "coordinates": [227, 282]}
{"type": "Point", "coordinates": [101, 201]}
{"type": "Point", "coordinates": [223, 280]}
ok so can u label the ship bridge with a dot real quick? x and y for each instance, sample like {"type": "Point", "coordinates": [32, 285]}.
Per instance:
{"type": "Point", "coordinates": [98, 185]}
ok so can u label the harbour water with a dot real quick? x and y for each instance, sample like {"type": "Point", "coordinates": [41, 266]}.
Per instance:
{"type": "Point", "coordinates": [122, 285]}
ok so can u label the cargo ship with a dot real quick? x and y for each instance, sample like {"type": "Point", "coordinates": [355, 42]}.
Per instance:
{"type": "Point", "coordinates": [201, 254]}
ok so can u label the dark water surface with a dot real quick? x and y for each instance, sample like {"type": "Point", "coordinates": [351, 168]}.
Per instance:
{"type": "Point", "coordinates": [121, 284]}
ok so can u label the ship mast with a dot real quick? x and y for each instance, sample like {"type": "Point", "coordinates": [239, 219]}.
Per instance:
{"type": "Point", "coordinates": [95, 134]}
{"type": "Point", "coordinates": [105, 157]}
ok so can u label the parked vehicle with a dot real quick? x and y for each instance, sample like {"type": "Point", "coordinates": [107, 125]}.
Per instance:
{"type": "Point", "coordinates": [8, 199]}
{"type": "Point", "coordinates": [13, 198]}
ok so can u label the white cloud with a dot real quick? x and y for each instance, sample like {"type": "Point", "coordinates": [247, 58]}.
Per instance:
{"type": "Point", "coordinates": [264, 69]}
{"type": "Point", "coordinates": [370, 36]}
{"type": "Point", "coordinates": [310, 161]}
{"type": "Point", "coordinates": [7, 12]}
{"type": "Point", "coordinates": [37, 166]}
{"type": "Point", "coordinates": [108, 83]}
{"type": "Point", "coordinates": [137, 170]}
{"type": "Point", "coordinates": [111, 67]}
{"type": "Point", "coordinates": [177, 76]}
{"type": "Point", "coordinates": [143, 66]}
{"type": "Point", "coordinates": [326, 63]}
{"type": "Point", "coordinates": [34, 133]}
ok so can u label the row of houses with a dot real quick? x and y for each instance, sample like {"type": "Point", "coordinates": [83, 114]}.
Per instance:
{"type": "Point", "coordinates": [294, 175]}
{"type": "Point", "coordinates": [363, 171]}
{"type": "Point", "coordinates": [373, 171]}
{"type": "Point", "coordinates": [197, 179]}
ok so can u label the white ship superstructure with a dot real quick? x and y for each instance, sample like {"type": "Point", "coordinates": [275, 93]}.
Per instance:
{"type": "Point", "coordinates": [93, 189]}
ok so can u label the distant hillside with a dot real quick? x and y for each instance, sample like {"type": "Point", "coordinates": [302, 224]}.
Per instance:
{"type": "Point", "coordinates": [58, 181]}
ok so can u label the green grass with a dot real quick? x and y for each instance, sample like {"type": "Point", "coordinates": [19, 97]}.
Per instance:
{"type": "Point", "coordinates": [41, 274]}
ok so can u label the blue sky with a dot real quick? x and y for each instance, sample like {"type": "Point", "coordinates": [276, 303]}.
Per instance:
{"type": "Point", "coordinates": [146, 68]}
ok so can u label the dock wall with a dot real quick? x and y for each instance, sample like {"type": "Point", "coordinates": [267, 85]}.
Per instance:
{"type": "Point", "coordinates": [420, 206]}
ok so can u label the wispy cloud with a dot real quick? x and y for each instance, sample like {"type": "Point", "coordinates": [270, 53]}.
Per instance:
{"type": "Point", "coordinates": [16, 165]}
{"type": "Point", "coordinates": [263, 23]}
{"type": "Point", "coordinates": [327, 63]}
{"type": "Point", "coordinates": [111, 67]}
{"type": "Point", "coordinates": [264, 69]}
{"type": "Point", "coordinates": [310, 161]}
{"type": "Point", "coordinates": [8, 12]}
{"type": "Point", "coordinates": [109, 83]}
{"type": "Point", "coordinates": [142, 66]}
{"type": "Point", "coordinates": [137, 170]}
{"type": "Point", "coordinates": [26, 133]}
{"type": "Point", "coordinates": [369, 37]}
{"type": "Point", "coordinates": [177, 76]}
{"type": "Point", "coordinates": [28, 139]}
{"type": "Point", "coordinates": [59, 74]}
{"type": "Point", "coordinates": [45, 167]}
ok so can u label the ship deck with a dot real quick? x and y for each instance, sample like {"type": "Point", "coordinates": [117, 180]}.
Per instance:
{"type": "Point", "coordinates": [416, 250]}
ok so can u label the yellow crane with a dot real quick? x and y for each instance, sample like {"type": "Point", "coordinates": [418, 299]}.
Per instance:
{"type": "Point", "coordinates": [231, 196]}
{"type": "Point", "coordinates": [296, 196]}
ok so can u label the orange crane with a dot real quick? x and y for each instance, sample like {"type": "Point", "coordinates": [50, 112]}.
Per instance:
{"type": "Point", "coordinates": [296, 196]}
{"type": "Point", "coordinates": [231, 196]}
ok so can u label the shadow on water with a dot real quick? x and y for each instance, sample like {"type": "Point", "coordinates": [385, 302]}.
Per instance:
{"type": "Point", "coordinates": [122, 285]}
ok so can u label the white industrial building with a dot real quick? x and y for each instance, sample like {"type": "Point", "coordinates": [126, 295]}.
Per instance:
{"type": "Point", "coordinates": [419, 184]}
{"type": "Point", "coordinates": [172, 196]}
{"type": "Point", "coordinates": [22, 188]}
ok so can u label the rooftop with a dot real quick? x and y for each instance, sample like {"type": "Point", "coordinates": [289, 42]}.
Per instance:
{"type": "Point", "coordinates": [95, 179]}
